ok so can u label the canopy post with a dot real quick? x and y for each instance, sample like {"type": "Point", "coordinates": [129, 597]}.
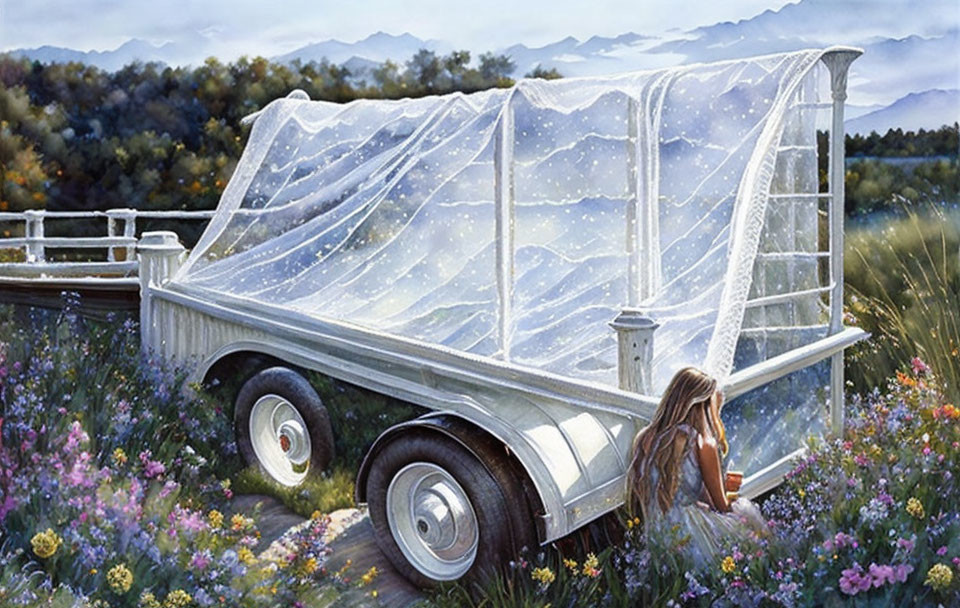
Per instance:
{"type": "Point", "coordinates": [160, 256]}
{"type": "Point", "coordinates": [504, 193]}
{"type": "Point", "coordinates": [635, 350]}
{"type": "Point", "coordinates": [633, 206]}
{"type": "Point", "coordinates": [838, 62]}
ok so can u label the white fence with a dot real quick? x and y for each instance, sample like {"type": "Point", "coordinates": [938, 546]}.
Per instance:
{"type": "Point", "coordinates": [120, 243]}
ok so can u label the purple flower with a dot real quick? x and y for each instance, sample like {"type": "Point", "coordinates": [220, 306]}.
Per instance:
{"type": "Point", "coordinates": [942, 551]}
{"type": "Point", "coordinates": [151, 468]}
{"type": "Point", "coordinates": [853, 580]}
{"type": "Point", "coordinates": [907, 544]}
{"type": "Point", "coordinates": [881, 575]}
{"type": "Point", "coordinates": [901, 572]}
{"type": "Point", "coordinates": [201, 559]}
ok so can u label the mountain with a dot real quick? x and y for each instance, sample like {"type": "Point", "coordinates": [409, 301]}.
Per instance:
{"type": "Point", "coordinates": [375, 48]}
{"type": "Point", "coordinates": [926, 110]}
{"type": "Point", "coordinates": [190, 49]}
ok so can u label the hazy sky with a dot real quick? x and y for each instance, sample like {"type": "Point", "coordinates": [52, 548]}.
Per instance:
{"type": "Point", "coordinates": [269, 28]}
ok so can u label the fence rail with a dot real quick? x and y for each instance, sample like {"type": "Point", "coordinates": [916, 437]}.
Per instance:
{"type": "Point", "coordinates": [121, 236]}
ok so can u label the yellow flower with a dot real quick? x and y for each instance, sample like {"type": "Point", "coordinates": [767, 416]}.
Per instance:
{"type": "Point", "coordinates": [120, 578]}
{"type": "Point", "coordinates": [316, 515]}
{"type": "Point", "coordinates": [915, 508]}
{"type": "Point", "coordinates": [309, 567]}
{"type": "Point", "coordinates": [570, 564]}
{"type": "Point", "coordinates": [119, 456]}
{"type": "Point", "coordinates": [178, 598]}
{"type": "Point", "coordinates": [728, 565]}
{"type": "Point", "coordinates": [590, 566]}
{"type": "Point", "coordinates": [45, 544]}
{"type": "Point", "coordinates": [148, 600]}
{"type": "Point", "coordinates": [245, 555]}
{"type": "Point", "coordinates": [544, 576]}
{"type": "Point", "coordinates": [238, 522]}
{"type": "Point", "coordinates": [801, 492]}
{"type": "Point", "coordinates": [216, 518]}
{"type": "Point", "coordinates": [939, 577]}
{"type": "Point", "coordinates": [368, 577]}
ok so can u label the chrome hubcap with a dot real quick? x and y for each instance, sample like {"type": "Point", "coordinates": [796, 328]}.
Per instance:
{"type": "Point", "coordinates": [280, 439]}
{"type": "Point", "coordinates": [432, 521]}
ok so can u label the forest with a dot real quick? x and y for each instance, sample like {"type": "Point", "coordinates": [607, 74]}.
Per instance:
{"type": "Point", "coordinates": [150, 136]}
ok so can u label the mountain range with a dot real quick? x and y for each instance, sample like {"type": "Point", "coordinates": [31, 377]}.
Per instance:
{"type": "Point", "coordinates": [909, 73]}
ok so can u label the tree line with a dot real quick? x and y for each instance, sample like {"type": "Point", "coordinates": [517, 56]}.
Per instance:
{"type": "Point", "coordinates": [150, 136]}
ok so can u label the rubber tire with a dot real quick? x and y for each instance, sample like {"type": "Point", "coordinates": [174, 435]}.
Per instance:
{"type": "Point", "coordinates": [495, 545]}
{"type": "Point", "coordinates": [294, 388]}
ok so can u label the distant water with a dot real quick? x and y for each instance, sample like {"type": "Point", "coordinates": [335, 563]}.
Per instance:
{"type": "Point", "coordinates": [904, 162]}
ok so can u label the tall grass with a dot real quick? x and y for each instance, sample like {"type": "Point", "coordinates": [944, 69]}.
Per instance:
{"type": "Point", "coordinates": [903, 285]}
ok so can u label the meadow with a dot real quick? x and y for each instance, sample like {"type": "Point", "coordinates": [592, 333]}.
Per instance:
{"type": "Point", "coordinates": [117, 485]}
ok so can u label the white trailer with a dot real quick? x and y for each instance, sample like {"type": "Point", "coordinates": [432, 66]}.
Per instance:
{"type": "Point", "coordinates": [532, 265]}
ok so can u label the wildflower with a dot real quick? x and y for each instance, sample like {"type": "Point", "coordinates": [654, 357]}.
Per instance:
{"type": "Point", "coordinates": [915, 508]}
{"type": "Point", "coordinates": [907, 544]}
{"type": "Point", "coordinates": [901, 572]}
{"type": "Point", "coordinates": [919, 367]}
{"type": "Point", "coordinates": [369, 575]}
{"type": "Point", "coordinates": [939, 577]}
{"type": "Point", "coordinates": [853, 580]}
{"type": "Point", "coordinates": [570, 564]}
{"type": "Point", "coordinates": [119, 456]}
{"type": "Point", "coordinates": [201, 559]}
{"type": "Point", "coordinates": [45, 544]}
{"type": "Point", "coordinates": [590, 566]}
{"type": "Point", "coordinates": [148, 600]}
{"type": "Point", "coordinates": [216, 518]}
{"type": "Point", "coordinates": [310, 566]}
{"type": "Point", "coordinates": [942, 551]}
{"type": "Point", "coordinates": [246, 556]}
{"type": "Point", "coordinates": [238, 522]}
{"type": "Point", "coordinates": [728, 565]}
{"type": "Point", "coordinates": [316, 515]}
{"type": "Point", "coordinates": [178, 598]}
{"type": "Point", "coordinates": [120, 578]}
{"type": "Point", "coordinates": [544, 576]}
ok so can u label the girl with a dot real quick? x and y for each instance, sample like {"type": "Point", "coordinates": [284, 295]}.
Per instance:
{"type": "Point", "coordinates": [676, 475]}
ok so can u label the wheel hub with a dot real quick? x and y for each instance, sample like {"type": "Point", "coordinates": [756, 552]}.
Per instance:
{"type": "Point", "coordinates": [432, 520]}
{"type": "Point", "coordinates": [280, 439]}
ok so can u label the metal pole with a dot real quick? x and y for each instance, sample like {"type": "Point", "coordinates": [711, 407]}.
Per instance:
{"type": "Point", "coordinates": [838, 62]}
{"type": "Point", "coordinates": [504, 194]}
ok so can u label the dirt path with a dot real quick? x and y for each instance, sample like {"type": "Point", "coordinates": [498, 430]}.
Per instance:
{"type": "Point", "coordinates": [350, 538]}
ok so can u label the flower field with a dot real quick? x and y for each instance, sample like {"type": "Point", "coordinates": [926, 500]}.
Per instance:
{"type": "Point", "coordinates": [114, 487]}
{"type": "Point", "coordinates": [869, 519]}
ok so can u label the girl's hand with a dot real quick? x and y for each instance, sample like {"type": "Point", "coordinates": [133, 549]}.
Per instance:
{"type": "Point", "coordinates": [733, 481]}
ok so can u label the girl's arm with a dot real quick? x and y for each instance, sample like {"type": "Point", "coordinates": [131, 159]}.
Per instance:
{"type": "Point", "coordinates": [708, 457]}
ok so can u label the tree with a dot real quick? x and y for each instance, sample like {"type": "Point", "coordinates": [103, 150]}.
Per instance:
{"type": "Point", "coordinates": [545, 74]}
{"type": "Point", "coordinates": [496, 69]}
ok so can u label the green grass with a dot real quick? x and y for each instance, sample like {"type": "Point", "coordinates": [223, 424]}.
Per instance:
{"type": "Point", "coordinates": [903, 285]}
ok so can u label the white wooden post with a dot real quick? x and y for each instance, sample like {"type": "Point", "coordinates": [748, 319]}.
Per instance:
{"type": "Point", "coordinates": [635, 350]}
{"type": "Point", "coordinates": [129, 219]}
{"type": "Point", "coordinates": [504, 193]}
{"type": "Point", "coordinates": [130, 230]}
{"type": "Point", "coordinates": [160, 256]}
{"type": "Point", "coordinates": [838, 62]}
{"type": "Point", "coordinates": [111, 232]}
{"type": "Point", "coordinates": [34, 230]}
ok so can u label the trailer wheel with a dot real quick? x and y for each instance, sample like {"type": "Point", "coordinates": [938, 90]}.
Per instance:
{"type": "Point", "coordinates": [438, 514]}
{"type": "Point", "coordinates": [282, 426]}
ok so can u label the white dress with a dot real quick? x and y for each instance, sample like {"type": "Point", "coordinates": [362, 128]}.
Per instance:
{"type": "Point", "coordinates": [701, 530]}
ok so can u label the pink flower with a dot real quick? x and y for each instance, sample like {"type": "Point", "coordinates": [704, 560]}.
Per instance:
{"type": "Point", "coordinates": [942, 551]}
{"type": "Point", "coordinates": [906, 544]}
{"type": "Point", "coordinates": [850, 580]}
{"type": "Point", "coordinates": [919, 367]}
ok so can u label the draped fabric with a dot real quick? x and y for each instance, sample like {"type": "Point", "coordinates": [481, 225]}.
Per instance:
{"type": "Point", "coordinates": [517, 223]}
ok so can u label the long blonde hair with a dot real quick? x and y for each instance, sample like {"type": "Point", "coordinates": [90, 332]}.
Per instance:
{"type": "Point", "coordinates": [689, 392]}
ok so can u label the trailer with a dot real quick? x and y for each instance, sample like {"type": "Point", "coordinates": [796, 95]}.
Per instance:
{"type": "Point", "coordinates": [531, 265]}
